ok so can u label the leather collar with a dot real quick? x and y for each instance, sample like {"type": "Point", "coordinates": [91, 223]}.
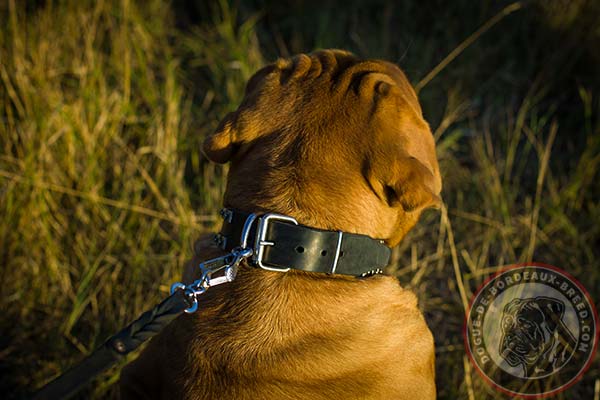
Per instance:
{"type": "Point", "coordinates": [280, 244]}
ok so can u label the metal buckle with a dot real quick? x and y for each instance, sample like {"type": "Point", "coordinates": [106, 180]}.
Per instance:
{"type": "Point", "coordinates": [261, 242]}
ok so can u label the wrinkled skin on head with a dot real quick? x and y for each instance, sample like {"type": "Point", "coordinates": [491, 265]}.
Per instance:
{"type": "Point", "coordinates": [336, 142]}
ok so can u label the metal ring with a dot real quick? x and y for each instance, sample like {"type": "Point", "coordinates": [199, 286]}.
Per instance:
{"type": "Point", "coordinates": [246, 230]}
{"type": "Point", "coordinates": [175, 286]}
{"type": "Point", "coordinates": [190, 294]}
{"type": "Point", "coordinates": [193, 308]}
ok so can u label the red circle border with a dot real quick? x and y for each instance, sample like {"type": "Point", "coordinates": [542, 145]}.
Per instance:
{"type": "Point", "coordinates": [587, 365]}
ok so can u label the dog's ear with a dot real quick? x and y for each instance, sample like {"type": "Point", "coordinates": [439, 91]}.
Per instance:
{"type": "Point", "coordinates": [552, 309]}
{"type": "Point", "coordinates": [405, 182]}
{"type": "Point", "coordinates": [241, 126]}
{"type": "Point", "coordinates": [550, 306]}
{"type": "Point", "coordinates": [414, 186]}
{"type": "Point", "coordinates": [254, 116]}
{"type": "Point", "coordinates": [219, 147]}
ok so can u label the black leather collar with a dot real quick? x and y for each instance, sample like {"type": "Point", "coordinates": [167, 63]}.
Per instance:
{"type": "Point", "coordinates": [280, 244]}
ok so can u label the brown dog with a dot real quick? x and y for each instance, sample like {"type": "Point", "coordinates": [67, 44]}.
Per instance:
{"type": "Point", "coordinates": [339, 144]}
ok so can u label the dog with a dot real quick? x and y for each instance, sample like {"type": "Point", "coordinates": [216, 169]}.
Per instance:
{"type": "Point", "coordinates": [339, 144]}
{"type": "Point", "coordinates": [535, 337]}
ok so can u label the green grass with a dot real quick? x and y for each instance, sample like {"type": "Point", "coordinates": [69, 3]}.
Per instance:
{"type": "Point", "coordinates": [104, 105]}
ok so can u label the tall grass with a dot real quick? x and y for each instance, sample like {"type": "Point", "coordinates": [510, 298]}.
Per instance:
{"type": "Point", "coordinates": [103, 107]}
{"type": "Point", "coordinates": [95, 213]}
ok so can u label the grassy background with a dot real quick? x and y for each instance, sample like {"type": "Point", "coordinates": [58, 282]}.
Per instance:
{"type": "Point", "coordinates": [103, 106]}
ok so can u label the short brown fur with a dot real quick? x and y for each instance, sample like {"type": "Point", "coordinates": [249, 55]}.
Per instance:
{"type": "Point", "coordinates": [340, 144]}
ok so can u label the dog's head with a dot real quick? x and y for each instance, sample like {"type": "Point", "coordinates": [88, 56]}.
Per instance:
{"type": "Point", "coordinates": [335, 141]}
{"type": "Point", "coordinates": [530, 330]}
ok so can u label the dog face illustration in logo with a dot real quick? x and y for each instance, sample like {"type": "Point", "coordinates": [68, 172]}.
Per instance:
{"type": "Point", "coordinates": [535, 337]}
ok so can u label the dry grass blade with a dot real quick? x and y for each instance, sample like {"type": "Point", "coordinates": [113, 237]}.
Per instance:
{"type": "Point", "coordinates": [468, 380]}
{"type": "Point", "coordinates": [94, 198]}
{"type": "Point", "coordinates": [543, 167]}
{"type": "Point", "coordinates": [466, 43]}
{"type": "Point", "coordinates": [455, 263]}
